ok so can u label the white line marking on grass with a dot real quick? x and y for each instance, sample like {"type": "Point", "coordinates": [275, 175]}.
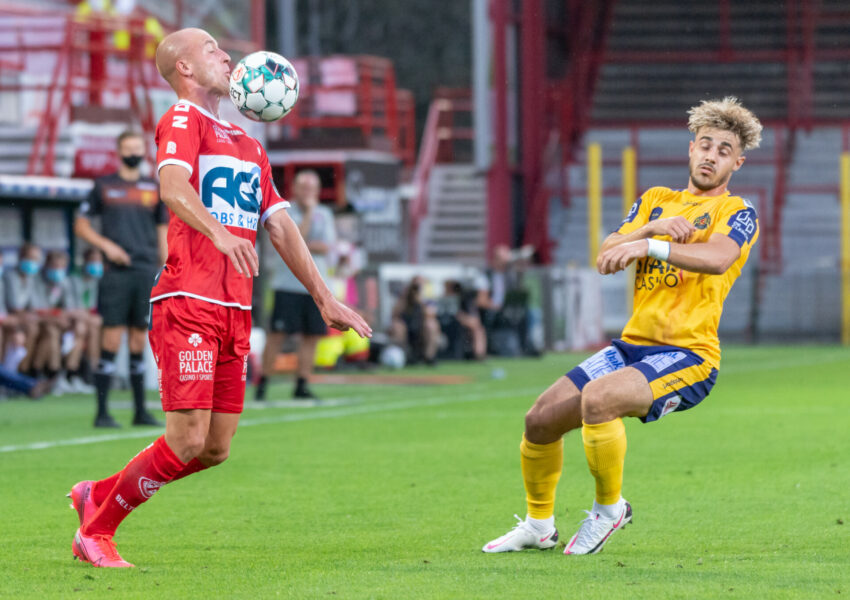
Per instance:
{"type": "Point", "coordinates": [253, 405]}
{"type": "Point", "coordinates": [349, 406]}
{"type": "Point", "coordinates": [343, 411]}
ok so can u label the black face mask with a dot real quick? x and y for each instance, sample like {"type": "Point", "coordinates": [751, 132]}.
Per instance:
{"type": "Point", "coordinates": [132, 161]}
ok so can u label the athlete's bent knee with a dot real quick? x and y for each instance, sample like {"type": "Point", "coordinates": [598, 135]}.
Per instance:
{"type": "Point", "coordinates": [537, 426]}
{"type": "Point", "coordinates": [594, 408]}
{"type": "Point", "coordinates": [187, 446]}
{"type": "Point", "coordinates": [212, 457]}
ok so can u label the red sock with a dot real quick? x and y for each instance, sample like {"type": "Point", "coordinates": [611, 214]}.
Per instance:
{"type": "Point", "coordinates": [100, 490]}
{"type": "Point", "coordinates": [148, 471]}
{"type": "Point", "coordinates": [193, 466]}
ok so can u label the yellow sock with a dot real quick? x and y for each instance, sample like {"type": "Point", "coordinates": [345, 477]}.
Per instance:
{"type": "Point", "coordinates": [541, 470]}
{"type": "Point", "coordinates": [605, 447]}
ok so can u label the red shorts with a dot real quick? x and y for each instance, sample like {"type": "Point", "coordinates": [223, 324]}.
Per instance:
{"type": "Point", "coordinates": [201, 350]}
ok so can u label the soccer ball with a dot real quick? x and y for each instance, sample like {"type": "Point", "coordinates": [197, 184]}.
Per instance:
{"type": "Point", "coordinates": [393, 357]}
{"type": "Point", "coordinates": [264, 86]}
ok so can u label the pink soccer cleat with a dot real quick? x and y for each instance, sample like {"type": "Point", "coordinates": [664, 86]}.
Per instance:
{"type": "Point", "coordinates": [98, 550]}
{"type": "Point", "coordinates": [82, 500]}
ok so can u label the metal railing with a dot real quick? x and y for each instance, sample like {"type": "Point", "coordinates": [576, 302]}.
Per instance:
{"type": "Point", "coordinates": [437, 146]}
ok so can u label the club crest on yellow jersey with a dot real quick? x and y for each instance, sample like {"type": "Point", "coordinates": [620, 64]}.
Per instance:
{"type": "Point", "coordinates": [702, 222]}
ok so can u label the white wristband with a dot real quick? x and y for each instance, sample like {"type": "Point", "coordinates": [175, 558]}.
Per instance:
{"type": "Point", "coordinates": [658, 249]}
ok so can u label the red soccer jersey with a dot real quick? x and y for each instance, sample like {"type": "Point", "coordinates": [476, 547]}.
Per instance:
{"type": "Point", "coordinates": [231, 173]}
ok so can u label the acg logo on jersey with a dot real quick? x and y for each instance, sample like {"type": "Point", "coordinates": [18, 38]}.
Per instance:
{"type": "Point", "coordinates": [231, 190]}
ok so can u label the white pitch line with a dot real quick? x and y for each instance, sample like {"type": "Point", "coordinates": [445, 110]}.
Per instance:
{"type": "Point", "coordinates": [288, 418]}
{"type": "Point", "coordinates": [390, 406]}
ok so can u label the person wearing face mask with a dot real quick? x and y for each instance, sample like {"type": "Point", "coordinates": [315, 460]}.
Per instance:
{"type": "Point", "coordinates": [10, 342]}
{"type": "Point", "coordinates": [62, 341]}
{"type": "Point", "coordinates": [84, 285]}
{"type": "Point", "coordinates": [133, 225]}
{"type": "Point", "coordinates": [23, 301]}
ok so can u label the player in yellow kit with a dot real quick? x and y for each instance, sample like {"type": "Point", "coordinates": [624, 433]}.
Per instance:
{"type": "Point", "coordinates": [690, 246]}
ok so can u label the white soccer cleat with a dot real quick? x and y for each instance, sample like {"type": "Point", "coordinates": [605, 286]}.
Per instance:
{"type": "Point", "coordinates": [522, 536]}
{"type": "Point", "coordinates": [62, 386]}
{"type": "Point", "coordinates": [595, 531]}
{"type": "Point", "coordinates": [80, 387]}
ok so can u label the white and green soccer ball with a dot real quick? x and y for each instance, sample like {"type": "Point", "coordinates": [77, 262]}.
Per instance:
{"type": "Point", "coordinates": [264, 86]}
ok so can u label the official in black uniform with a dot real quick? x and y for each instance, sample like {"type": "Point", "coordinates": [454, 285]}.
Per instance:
{"type": "Point", "coordinates": [132, 234]}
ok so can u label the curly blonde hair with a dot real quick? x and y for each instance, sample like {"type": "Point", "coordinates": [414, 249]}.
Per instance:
{"type": "Point", "coordinates": [729, 115]}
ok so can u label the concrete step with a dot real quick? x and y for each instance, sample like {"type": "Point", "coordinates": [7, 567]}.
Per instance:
{"type": "Point", "coordinates": [467, 200]}
{"type": "Point", "coordinates": [440, 237]}
{"type": "Point", "coordinates": [456, 188]}
{"type": "Point", "coordinates": [459, 208]}
{"type": "Point", "coordinates": [456, 226]}
{"type": "Point", "coordinates": [461, 223]}
{"type": "Point", "coordinates": [473, 257]}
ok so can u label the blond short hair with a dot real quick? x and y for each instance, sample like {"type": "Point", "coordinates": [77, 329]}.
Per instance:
{"type": "Point", "coordinates": [729, 115]}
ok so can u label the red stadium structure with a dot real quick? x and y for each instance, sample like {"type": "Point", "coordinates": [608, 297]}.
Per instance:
{"type": "Point", "coordinates": [100, 64]}
{"type": "Point", "coordinates": [566, 47]}
{"type": "Point", "coordinates": [79, 74]}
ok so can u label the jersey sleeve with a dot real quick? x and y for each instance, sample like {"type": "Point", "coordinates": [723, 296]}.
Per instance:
{"type": "Point", "coordinates": [161, 215]}
{"type": "Point", "coordinates": [178, 138]}
{"type": "Point", "coordinates": [272, 200]}
{"type": "Point", "coordinates": [741, 224]}
{"type": "Point", "coordinates": [93, 204]}
{"type": "Point", "coordinates": [638, 215]}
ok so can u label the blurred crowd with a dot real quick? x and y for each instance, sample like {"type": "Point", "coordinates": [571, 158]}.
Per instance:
{"type": "Point", "coordinates": [50, 329]}
{"type": "Point", "coordinates": [488, 314]}
{"type": "Point", "coordinates": [49, 326]}
{"type": "Point", "coordinates": [62, 324]}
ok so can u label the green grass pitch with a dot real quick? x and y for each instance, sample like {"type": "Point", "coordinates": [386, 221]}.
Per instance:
{"type": "Point", "coordinates": [391, 491]}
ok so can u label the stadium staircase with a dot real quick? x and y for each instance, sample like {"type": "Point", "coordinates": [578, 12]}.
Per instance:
{"type": "Point", "coordinates": [448, 212]}
{"type": "Point", "coordinates": [16, 144]}
{"type": "Point", "coordinates": [454, 228]}
{"type": "Point", "coordinates": [661, 57]}
{"type": "Point", "coordinates": [656, 49]}
{"type": "Point", "coordinates": [809, 230]}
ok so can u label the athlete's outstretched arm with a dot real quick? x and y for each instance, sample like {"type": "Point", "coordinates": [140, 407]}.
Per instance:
{"type": "Point", "coordinates": [712, 257]}
{"type": "Point", "coordinates": [678, 228]}
{"type": "Point", "coordinates": [179, 195]}
{"type": "Point", "coordinates": [286, 238]}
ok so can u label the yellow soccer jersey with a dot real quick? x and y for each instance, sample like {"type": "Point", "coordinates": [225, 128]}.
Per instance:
{"type": "Point", "coordinates": [677, 307]}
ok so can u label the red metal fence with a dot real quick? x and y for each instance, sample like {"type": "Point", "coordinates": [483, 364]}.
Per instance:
{"type": "Point", "coordinates": [561, 47]}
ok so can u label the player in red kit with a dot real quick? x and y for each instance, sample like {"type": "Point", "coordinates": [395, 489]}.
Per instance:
{"type": "Point", "coordinates": [216, 181]}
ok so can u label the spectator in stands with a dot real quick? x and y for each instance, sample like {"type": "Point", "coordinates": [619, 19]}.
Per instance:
{"type": "Point", "coordinates": [503, 302]}
{"type": "Point", "coordinates": [11, 341]}
{"type": "Point", "coordinates": [415, 326]}
{"type": "Point", "coordinates": [85, 288]}
{"type": "Point", "coordinates": [460, 322]}
{"type": "Point", "coordinates": [132, 237]}
{"type": "Point", "coordinates": [86, 283]}
{"type": "Point", "coordinates": [22, 302]}
{"type": "Point", "coordinates": [295, 312]}
{"type": "Point", "coordinates": [65, 328]}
